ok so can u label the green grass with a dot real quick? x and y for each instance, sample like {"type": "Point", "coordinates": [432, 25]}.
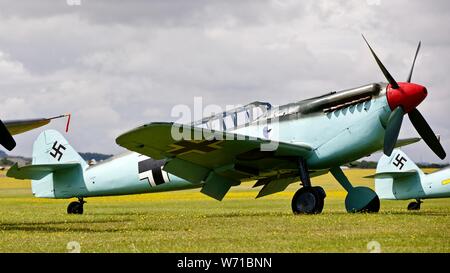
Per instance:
{"type": "Point", "coordinates": [188, 221]}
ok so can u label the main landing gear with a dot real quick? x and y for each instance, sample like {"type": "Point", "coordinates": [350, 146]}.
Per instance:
{"type": "Point", "coordinates": [358, 199]}
{"type": "Point", "coordinates": [415, 205]}
{"type": "Point", "coordinates": [307, 200]}
{"type": "Point", "coordinates": [76, 207]}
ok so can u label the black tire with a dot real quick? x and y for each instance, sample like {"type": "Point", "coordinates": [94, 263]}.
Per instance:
{"type": "Point", "coordinates": [75, 208]}
{"type": "Point", "coordinates": [414, 206]}
{"type": "Point", "coordinates": [307, 200]}
{"type": "Point", "coordinates": [321, 193]}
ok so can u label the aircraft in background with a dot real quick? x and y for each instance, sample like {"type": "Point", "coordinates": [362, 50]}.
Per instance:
{"type": "Point", "coordinates": [399, 178]}
{"type": "Point", "coordinates": [311, 138]}
{"type": "Point", "coordinates": [8, 128]}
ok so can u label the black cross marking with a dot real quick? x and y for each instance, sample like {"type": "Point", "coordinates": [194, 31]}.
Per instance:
{"type": "Point", "coordinates": [57, 150]}
{"type": "Point", "coordinates": [155, 167]}
{"type": "Point", "coordinates": [185, 146]}
{"type": "Point", "coordinates": [399, 161]}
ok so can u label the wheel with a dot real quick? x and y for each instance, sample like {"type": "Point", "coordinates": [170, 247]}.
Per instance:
{"type": "Point", "coordinates": [75, 208]}
{"type": "Point", "coordinates": [321, 193]}
{"type": "Point", "coordinates": [362, 199]}
{"type": "Point", "coordinates": [414, 206]}
{"type": "Point", "coordinates": [307, 200]}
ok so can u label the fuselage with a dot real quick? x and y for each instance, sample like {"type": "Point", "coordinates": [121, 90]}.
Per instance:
{"type": "Point", "coordinates": [419, 186]}
{"type": "Point", "coordinates": [437, 184]}
{"type": "Point", "coordinates": [129, 173]}
{"type": "Point", "coordinates": [337, 137]}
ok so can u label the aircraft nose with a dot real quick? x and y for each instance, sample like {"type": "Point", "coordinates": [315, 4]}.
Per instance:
{"type": "Point", "coordinates": [408, 95]}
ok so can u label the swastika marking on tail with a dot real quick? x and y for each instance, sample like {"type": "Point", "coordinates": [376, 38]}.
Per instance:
{"type": "Point", "coordinates": [56, 151]}
{"type": "Point", "coordinates": [399, 162]}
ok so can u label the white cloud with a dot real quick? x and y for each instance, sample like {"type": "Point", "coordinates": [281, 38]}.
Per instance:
{"type": "Point", "coordinates": [116, 65]}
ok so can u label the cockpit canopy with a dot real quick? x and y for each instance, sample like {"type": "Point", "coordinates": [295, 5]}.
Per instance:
{"type": "Point", "coordinates": [234, 118]}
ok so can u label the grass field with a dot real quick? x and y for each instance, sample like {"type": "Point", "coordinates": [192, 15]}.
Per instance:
{"type": "Point", "coordinates": [188, 221]}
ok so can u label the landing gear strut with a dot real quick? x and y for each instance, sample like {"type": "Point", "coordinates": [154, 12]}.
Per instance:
{"type": "Point", "coordinates": [415, 205]}
{"type": "Point", "coordinates": [358, 199]}
{"type": "Point", "coordinates": [307, 200]}
{"type": "Point", "coordinates": [76, 207]}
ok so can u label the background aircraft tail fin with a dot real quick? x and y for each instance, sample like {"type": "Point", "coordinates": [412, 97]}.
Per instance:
{"type": "Point", "coordinates": [398, 164]}
{"type": "Point", "coordinates": [396, 176]}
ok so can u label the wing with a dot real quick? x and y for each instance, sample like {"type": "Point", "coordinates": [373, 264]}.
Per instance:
{"type": "Point", "coordinates": [20, 126]}
{"type": "Point", "coordinates": [14, 127]}
{"type": "Point", "coordinates": [406, 141]}
{"type": "Point", "coordinates": [220, 159]}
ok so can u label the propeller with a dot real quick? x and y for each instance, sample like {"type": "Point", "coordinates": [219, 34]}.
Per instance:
{"type": "Point", "coordinates": [426, 133]}
{"type": "Point", "coordinates": [393, 130]}
{"type": "Point", "coordinates": [386, 73]}
{"type": "Point", "coordinates": [404, 98]}
{"type": "Point", "coordinates": [414, 61]}
{"type": "Point", "coordinates": [6, 139]}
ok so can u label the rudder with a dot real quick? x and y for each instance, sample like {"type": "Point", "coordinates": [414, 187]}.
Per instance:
{"type": "Point", "coordinates": [398, 162]}
{"type": "Point", "coordinates": [397, 177]}
{"type": "Point", "coordinates": [52, 148]}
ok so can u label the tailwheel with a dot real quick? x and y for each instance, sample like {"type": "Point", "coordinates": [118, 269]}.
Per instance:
{"type": "Point", "coordinates": [362, 199]}
{"type": "Point", "coordinates": [308, 200]}
{"type": "Point", "coordinates": [414, 205]}
{"type": "Point", "coordinates": [76, 207]}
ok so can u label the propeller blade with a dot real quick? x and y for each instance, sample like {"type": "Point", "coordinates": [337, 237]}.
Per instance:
{"type": "Point", "coordinates": [6, 138]}
{"type": "Point", "coordinates": [426, 133]}
{"type": "Point", "coordinates": [388, 76]}
{"type": "Point", "coordinates": [393, 130]}
{"type": "Point", "coordinates": [414, 61]}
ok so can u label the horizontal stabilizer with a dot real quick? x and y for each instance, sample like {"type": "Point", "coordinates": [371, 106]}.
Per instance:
{"type": "Point", "coordinates": [37, 172]}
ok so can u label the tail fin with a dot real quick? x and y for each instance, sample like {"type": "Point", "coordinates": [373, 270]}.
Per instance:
{"type": "Point", "coordinates": [57, 170]}
{"type": "Point", "coordinates": [52, 148]}
{"type": "Point", "coordinates": [397, 176]}
{"type": "Point", "coordinates": [398, 164]}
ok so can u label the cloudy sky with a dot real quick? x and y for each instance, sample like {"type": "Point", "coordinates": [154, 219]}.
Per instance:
{"type": "Point", "coordinates": [116, 65]}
